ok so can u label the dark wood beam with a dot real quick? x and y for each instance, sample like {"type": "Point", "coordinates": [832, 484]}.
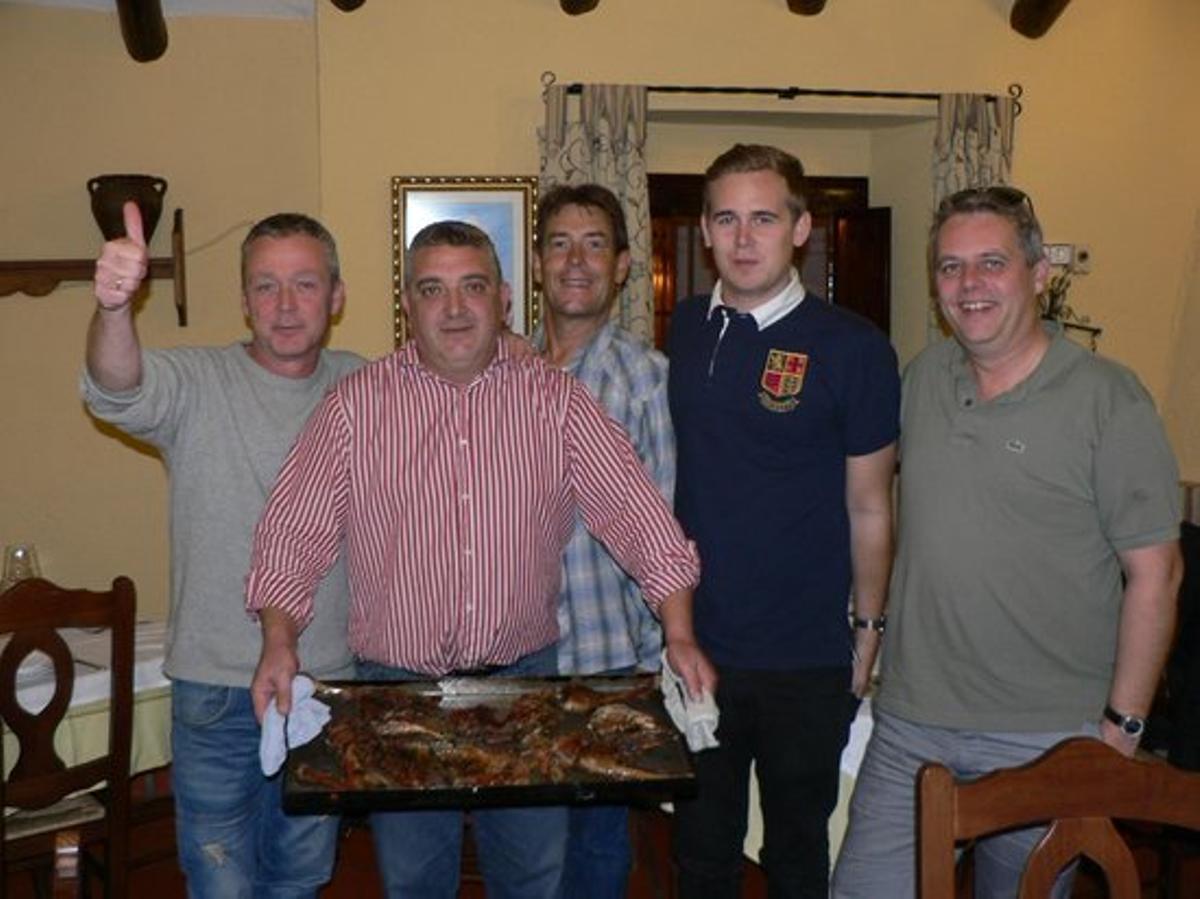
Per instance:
{"type": "Point", "coordinates": [348, 5]}
{"type": "Point", "coordinates": [1033, 18]}
{"type": "Point", "coordinates": [578, 7]}
{"type": "Point", "coordinates": [806, 7]}
{"type": "Point", "coordinates": [143, 28]}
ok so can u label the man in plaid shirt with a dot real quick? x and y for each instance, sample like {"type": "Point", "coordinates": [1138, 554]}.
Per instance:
{"type": "Point", "coordinates": [582, 260]}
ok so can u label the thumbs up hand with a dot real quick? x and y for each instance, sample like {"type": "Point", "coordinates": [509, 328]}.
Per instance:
{"type": "Point", "coordinates": [123, 263]}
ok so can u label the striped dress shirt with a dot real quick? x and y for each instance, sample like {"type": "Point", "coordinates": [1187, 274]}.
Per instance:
{"type": "Point", "coordinates": [453, 504]}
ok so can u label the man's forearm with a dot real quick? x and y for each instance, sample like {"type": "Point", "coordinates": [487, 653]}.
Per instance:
{"type": "Point", "coordinates": [675, 612]}
{"type": "Point", "coordinates": [277, 662]}
{"type": "Point", "coordinates": [683, 652]}
{"type": "Point", "coordinates": [114, 353]}
{"type": "Point", "coordinates": [279, 629]}
{"type": "Point", "coordinates": [869, 508]}
{"type": "Point", "coordinates": [1147, 625]}
{"type": "Point", "coordinates": [871, 561]}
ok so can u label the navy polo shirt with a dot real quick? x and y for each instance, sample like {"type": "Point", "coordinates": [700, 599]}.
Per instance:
{"type": "Point", "coordinates": [764, 421]}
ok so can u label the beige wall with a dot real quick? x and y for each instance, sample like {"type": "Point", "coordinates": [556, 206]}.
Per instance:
{"type": "Point", "coordinates": [229, 117]}
{"type": "Point", "coordinates": [245, 117]}
{"type": "Point", "coordinates": [1100, 144]}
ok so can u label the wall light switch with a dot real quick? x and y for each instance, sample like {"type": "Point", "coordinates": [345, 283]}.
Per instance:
{"type": "Point", "coordinates": [1060, 253]}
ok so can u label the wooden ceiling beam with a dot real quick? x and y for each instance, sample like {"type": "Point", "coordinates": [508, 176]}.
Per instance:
{"type": "Point", "coordinates": [806, 7]}
{"type": "Point", "coordinates": [1033, 18]}
{"type": "Point", "coordinates": [143, 28]}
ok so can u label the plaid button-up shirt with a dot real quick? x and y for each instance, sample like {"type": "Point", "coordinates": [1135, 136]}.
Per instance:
{"type": "Point", "coordinates": [603, 621]}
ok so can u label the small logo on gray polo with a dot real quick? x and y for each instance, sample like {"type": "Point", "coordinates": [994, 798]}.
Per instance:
{"type": "Point", "coordinates": [1015, 446]}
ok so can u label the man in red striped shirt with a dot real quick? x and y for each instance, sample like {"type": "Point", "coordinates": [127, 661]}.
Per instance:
{"type": "Point", "coordinates": [452, 471]}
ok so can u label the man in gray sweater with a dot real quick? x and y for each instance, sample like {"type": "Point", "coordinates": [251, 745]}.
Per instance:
{"type": "Point", "coordinates": [223, 418]}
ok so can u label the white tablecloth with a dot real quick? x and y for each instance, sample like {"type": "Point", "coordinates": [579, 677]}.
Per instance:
{"type": "Point", "coordinates": [90, 649]}
{"type": "Point", "coordinates": [84, 732]}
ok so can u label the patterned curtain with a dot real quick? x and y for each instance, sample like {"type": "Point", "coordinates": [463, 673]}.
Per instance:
{"type": "Point", "coordinates": [973, 148]}
{"type": "Point", "coordinates": [974, 142]}
{"type": "Point", "coordinates": [605, 144]}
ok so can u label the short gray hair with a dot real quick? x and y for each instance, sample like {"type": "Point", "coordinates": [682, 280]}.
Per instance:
{"type": "Point", "coordinates": [287, 224]}
{"type": "Point", "coordinates": [999, 199]}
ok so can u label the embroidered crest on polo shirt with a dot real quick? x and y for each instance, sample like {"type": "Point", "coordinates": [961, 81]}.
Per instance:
{"type": "Point", "coordinates": [782, 380]}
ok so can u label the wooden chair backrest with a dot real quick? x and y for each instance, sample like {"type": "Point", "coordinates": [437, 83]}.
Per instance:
{"type": "Point", "coordinates": [1077, 787]}
{"type": "Point", "coordinates": [31, 612]}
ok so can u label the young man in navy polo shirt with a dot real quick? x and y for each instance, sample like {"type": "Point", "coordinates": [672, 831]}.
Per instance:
{"type": "Point", "coordinates": [786, 416]}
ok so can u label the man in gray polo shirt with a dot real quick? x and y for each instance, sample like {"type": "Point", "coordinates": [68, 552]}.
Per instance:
{"type": "Point", "coordinates": [1033, 594]}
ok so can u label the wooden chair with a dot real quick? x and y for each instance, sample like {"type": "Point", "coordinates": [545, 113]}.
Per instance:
{"type": "Point", "coordinates": [55, 820]}
{"type": "Point", "coordinates": [1076, 787]}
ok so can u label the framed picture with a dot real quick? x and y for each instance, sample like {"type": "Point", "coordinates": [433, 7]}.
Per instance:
{"type": "Point", "coordinates": [502, 206]}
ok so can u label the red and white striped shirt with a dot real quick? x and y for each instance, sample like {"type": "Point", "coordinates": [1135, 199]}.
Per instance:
{"type": "Point", "coordinates": [455, 504]}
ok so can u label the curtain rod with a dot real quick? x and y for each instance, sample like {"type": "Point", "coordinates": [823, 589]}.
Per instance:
{"type": "Point", "coordinates": [788, 93]}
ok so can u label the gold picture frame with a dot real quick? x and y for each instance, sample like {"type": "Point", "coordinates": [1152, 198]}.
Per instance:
{"type": "Point", "coordinates": [503, 206]}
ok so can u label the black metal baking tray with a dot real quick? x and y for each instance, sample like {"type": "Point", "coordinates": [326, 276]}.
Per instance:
{"type": "Point", "coordinates": [418, 726]}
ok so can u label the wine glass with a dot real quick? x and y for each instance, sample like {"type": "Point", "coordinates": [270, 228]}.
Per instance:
{"type": "Point", "coordinates": [20, 564]}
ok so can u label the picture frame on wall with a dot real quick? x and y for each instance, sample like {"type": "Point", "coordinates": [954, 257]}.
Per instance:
{"type": "Point", "coordinates": [502, 206]}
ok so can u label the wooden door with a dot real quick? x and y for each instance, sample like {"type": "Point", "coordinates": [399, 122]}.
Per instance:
{"type": "Point", "coordinates": [861, 264]}
{"type": "Point", "coordinates": [847, 260]}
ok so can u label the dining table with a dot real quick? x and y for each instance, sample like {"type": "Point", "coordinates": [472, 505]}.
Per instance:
{"type": "Point", "coordinates": [83, 733]}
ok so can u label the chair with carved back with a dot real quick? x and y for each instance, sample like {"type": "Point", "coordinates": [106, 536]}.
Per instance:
{"type": "Point", "coordinates": [1077, 787]}
{"type": "Point", "coordinates": [57, 809]}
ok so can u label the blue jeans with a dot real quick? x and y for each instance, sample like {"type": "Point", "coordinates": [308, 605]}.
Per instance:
{"type": "Point", "coordinates": [521, 850]}
{"type": "Point", "coordinates": [234, 839]}
{"type": "Point", "coordinates": [599, 851]}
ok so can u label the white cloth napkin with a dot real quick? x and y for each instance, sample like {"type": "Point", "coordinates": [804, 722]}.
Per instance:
{"type": "Point", "coordinates": [307, 717]}
{"type": "Point", "coordinates": [696, 719]}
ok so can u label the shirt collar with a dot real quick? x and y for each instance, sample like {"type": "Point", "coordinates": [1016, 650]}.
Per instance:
{"type": "Point", "coordinates": [1060, 353]}
{"type": "Point", "coordinates": [408, 356]}
{"type": "Point", "coordinates": [766, 314]}
{"type": "Point", "coordinates": [593, 348]}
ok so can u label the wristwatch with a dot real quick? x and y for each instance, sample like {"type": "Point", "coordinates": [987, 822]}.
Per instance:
{"type": "Point", "coordinates": [1131, 725]}
{"type": "Point", "coordinates": [879, 625]}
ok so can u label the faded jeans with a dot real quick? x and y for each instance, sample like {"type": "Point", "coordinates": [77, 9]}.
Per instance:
{"type": "Point", "coordinates": [599, 849]}
{"type": "Point", "coordinates": [521, 850]}
{"type": "Point", "coordinates": [234, 839]}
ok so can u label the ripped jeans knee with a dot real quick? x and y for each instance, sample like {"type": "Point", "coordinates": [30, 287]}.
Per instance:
{"type": "Point", "coordinates": [233, 837]}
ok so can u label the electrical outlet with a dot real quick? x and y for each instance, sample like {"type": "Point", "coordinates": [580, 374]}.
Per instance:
{"type": "Point", "coordinates": [1059, 253]}
{"type": "Point", "coordinates": [1083, 259]}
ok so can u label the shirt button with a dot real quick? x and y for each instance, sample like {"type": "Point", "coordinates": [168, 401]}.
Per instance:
{"type": "Point", "coordinates": [462, 441]}
{"type": "Point", "coordinates": [467, 551]}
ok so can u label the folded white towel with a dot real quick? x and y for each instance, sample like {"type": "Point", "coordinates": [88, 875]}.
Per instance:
{"type": "Point", "coordinates": [696, 719]}
{"type": "Point", "coordinates": [307, 718]}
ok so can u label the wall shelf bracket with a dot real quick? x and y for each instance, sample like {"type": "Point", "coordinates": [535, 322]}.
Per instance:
{"type": "Point", "coordinates": [38, 277]}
